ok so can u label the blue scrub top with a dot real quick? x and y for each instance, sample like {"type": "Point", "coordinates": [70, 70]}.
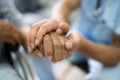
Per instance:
{"type": "Point", "coordinates": [100, 24]}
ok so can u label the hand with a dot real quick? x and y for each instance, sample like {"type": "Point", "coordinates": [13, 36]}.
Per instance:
{"type": "Point", "coordinates": [24, 32]}
{"type": "Point", "coordinates": [54, 47]}
{"type": "Point", "coordinates": [57, 47]}
{"type": "Point", "coordinates": [8, 33]}
{"type": "Point", "coordinates": [62, 47]}
{"type": "Point", "coordinates": [43, 27]}
{"type": "Point", "coordinates": [74, 42]}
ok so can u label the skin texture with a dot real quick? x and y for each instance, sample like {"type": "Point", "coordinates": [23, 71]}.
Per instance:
{"type": "Point", "coordinates": [59, 14]}
{"type": "Point", "coordinates": [64, 50]}
{"type": "Point", "coordinates": [9, 34]}
{"type": "Point", "coordinates": [48, 46]}
{"type": "Point", "coordinates": [62, 43]}
{"type": "Point", "coordinates": [54, 47]}
{"type": "Point", "coordinates": [24, 33]}
{"type": "Point", "coordinates": [109, 55]}
{"type": "Point", "coordinates": [57, 47]}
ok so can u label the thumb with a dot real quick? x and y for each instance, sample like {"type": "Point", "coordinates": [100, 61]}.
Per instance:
{"type": "Point", "coordinates": [62, 28]}
{"type": "Point", "coordinates": [73, 42]}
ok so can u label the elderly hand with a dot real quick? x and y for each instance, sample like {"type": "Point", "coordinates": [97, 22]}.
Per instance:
{"type": "Point", "coordinates": [57, 47]}
{"type": "Point", "coordinates": [8, 33]}
{"type": "Point", "coordinates": [36, 34]}
{"type": "Point", "coordinates": [54, 47]}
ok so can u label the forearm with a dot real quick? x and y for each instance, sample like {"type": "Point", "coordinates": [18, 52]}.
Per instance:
{"type": "Point", "coordinates": [107, 54]}
{"type": "Point", "coordinates": [62, 9]}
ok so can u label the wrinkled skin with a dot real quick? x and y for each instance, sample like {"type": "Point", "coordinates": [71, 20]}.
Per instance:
{"type": "Point", "coordinates": [38, 31]}
{"type": "Point", "coordinates": [13, 35]}
{"type": "Point", "coordinates": [36, 39]}
{"type": "Point", "coordinates": [48, 47]}
{"type": "Point", "coordinates": [8, 33]}
{"type": "Point", "coordinates": [53, 47]}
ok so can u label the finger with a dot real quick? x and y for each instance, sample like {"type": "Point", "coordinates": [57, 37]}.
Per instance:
{"type": "Point", "coordinates": [34, 53]}
{"type": "Point", "coordinates": [73, 42]}
{"type": "Point", "coordinates": [60, 45]}
{"type": "Point", "coordinates": [39, 53]}
{"type": "Point", "coordinates": [41, 48]}
{"type": "Point", "coordinates": [62, 28]}
{"type": "Point", "coordinates": [48, 47]}
{"type": "Point", "coordinates": [64, 50]}
{"type": "Point", "coordinates": [46, 28]}
{"type": "Point", "coordinates": [32, 34]}
{"type": "Point", "coordinates": [57, 47]}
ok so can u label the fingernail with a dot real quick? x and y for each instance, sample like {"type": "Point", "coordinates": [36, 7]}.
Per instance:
{"type": "Point", "coordinates": [59, 31]}
{"type": "Point", "coordinates": [36, 42]}
{"type": "Point", "coordinates": [39, 54]}
{"type": "Point", "coordinates": [50, 57]}
{"type": "Point", "coordinates": [69, 45]}
{"type": "Point", "coordinates": [32, 45]}
{"type": "Point", "coordinates": [29, 49]}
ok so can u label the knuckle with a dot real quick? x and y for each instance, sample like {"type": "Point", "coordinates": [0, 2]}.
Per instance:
{"type": "Point", "coordinates": [44, 26]}
{"type": "Point", "coordinates": [53, 20]}
{"type": "Point", "coordinates": [64, 26]}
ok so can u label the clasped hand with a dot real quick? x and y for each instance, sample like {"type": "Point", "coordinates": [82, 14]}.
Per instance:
{"type": "Point", "coordinates": [47, 39]}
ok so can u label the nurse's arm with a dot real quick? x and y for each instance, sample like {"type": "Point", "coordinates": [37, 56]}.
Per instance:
{"type": "Point", "coordinates": [62, 9]}
{"type": "Point", "coordinates": [107, 54]}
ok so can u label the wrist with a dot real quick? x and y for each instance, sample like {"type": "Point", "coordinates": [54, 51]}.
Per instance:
{"type": "Point", "coordinates": [25, 29]}
{"type": "Point", "coordinates": [24, 32]}
{"type": "Point", "coordinates": [59, 18]}
{"type": "Point", "coordinates": [82, 43]}
{"type": "Point", "coordinates": [85, 46]}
